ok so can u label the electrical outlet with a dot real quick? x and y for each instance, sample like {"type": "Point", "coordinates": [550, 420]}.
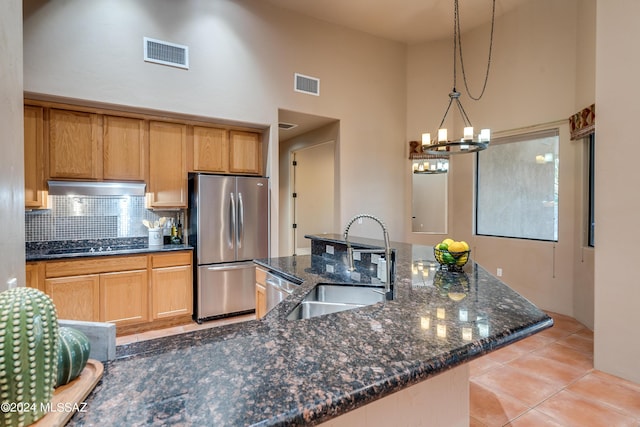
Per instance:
{"type": "Point", "coordinates": [329, 250]}
{"type": "Point", "coordinates": [357, 256]}
{"type": "Point", "coordinates": [499, 272]}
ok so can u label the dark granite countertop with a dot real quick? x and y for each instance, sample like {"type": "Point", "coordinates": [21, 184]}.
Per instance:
{"type": "Point", "coordinates": [62, 249]}
{"type": "Point", "coordinates": [274, 371]}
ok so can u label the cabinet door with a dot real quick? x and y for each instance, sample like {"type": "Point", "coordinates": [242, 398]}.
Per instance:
{"type": "Point", "coordinates": [261, 300]}
{"type": "Point", "coordinates": [167, 165]}
{"type": "Point", "coordinates": [76, 298]}
{"type": "Point", "coordinates": [210, 149]}
{"type": "Point", "coordinates": [35, 195]}
{"type": "Point", "coordinates": [75, 150]}
{"type": "Point", "coordinates": [34, 275]}
{"type": "Point", "coordinates": [245, 153]}
{"type": "Point", "coordinates": [124, 297]}
{"type": "Point", "coordinates": [125, 149]}
{"type": "Point", "coordinates": [172, 292]}
{"type": "Point", "coordinates": [261, 292]}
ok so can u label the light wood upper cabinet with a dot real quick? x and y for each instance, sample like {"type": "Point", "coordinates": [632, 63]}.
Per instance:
{"type": "Point", "coordinates": [125, 149]}
{"type": "Point", "coordinates": [167, 165]}
{"type": "Point", "coordinates": [35, 194]}
{"type": "Point", "coordinates": [75, 145]}
{"type": "Point", "coordinates": [210, 149]}
{"type": "Point", "coordinates": [245, 153]}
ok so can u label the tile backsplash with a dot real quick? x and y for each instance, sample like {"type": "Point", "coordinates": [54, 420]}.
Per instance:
{"type": "Point", "coordinates": [90, 217]}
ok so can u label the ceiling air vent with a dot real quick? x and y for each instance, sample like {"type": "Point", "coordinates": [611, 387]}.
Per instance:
{"type": "Point", "coordinates": [306, 84]}
{"type": "Point", "coordinates": [166, 53]}
{"type": "Point", "coordinates": [286, 126]}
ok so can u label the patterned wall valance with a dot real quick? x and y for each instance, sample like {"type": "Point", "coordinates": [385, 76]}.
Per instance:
{"type": "Point", "coordinates": [583, 123]}
{"type": "Point", "coordinates": [416, 153]}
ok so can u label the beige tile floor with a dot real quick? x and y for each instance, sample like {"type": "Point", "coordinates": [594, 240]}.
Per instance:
{"type": "Point", "coordinates": [546, 380]}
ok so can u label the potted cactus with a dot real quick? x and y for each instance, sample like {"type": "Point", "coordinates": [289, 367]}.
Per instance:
{"type": "Point", "coordinates": [28, 355]}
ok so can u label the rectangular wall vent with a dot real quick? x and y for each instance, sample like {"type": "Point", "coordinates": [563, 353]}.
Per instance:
{"type": "Point", "coordinates": [166, 53]}
{"type": "Point", "coordinates": [286, 126]}
{"type": "Point", "coordinates": [306, 84]}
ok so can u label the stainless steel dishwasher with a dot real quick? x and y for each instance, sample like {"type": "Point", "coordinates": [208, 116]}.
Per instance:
{"type": "Point", "coordinates": [278, 289]}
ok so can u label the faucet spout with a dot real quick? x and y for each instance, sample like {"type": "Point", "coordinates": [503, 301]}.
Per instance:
{"type": "Point", "coordinates": [389, 290]}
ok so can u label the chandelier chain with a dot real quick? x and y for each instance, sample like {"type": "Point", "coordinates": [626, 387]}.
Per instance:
{"type": "Point", "coordinates": [457, 44]}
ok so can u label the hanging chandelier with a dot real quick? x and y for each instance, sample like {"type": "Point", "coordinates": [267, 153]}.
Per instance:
{"type": "Point", "coordinates": [471, 141]}
{"type": "Point", "coordinates": [423, 163]}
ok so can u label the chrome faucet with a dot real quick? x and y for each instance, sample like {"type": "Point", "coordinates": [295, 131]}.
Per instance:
{"type": "Point", "coordinates": [389, 290]}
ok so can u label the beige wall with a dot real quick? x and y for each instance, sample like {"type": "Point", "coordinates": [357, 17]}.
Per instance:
{"type": "Point", "coordinates": [330, 132]}
{"type": "Point", "coordinates": [534, 80]}
{"type": "Point", "coordinates": [243, 57]}
{"type": "Point", "coordinates": [11, 137]}
{"type": "Point", "coordinates": [617, 289]}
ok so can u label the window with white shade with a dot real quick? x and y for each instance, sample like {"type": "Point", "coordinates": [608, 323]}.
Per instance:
{"type": "Point", "coordinates": [517, 187]}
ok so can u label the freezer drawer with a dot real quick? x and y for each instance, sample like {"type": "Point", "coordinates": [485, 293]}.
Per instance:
{"type": "Point", "coordinates": [224, 289]}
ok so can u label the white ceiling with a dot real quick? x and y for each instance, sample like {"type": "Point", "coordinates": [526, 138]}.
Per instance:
{"type": "Point", "coordinates": [408, 21]}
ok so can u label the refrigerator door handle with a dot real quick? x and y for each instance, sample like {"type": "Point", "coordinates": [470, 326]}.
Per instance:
{"type": "Point", "coordinates": [240, 220]}
{"type": "Point", "coordinates": [230, 267]}
{"type": "Point", "coordinates": [232, 220]}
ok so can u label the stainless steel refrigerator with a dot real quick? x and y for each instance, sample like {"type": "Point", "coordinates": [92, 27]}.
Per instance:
{"type": "Point", "coordinates": [229, 227]}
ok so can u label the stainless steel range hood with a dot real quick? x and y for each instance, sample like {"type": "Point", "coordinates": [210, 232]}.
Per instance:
{"type": "Point", "coordinates": [88, 188]}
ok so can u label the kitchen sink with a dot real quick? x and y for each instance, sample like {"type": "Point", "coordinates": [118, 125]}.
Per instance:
{"type": "Point", "coordinates": [327, 298]}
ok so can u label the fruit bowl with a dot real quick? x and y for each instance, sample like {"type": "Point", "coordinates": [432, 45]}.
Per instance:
{"type": "Point", "coordinates": [451, 260]}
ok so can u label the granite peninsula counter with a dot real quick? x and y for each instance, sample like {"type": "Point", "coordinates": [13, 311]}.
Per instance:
{"type": "Point", "coordinates": [276, 371]}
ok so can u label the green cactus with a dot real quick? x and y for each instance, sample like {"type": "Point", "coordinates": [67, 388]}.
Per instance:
{"type": "Point", "coordinates": [73, 354]}
{"type": "Point", "coordinates": [28, 355]}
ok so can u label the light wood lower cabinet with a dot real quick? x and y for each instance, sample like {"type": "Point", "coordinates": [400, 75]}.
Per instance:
{"type": "Point", "coordinates": [124, 297]}
{"type": "Point", "coordinates": [34, 275]}
{"type": "Point", "coordinates": [137, 292]}
{"type": "Point", "coordinates": [169, 275]}
{"type": "Point", "coordinates": [261, 293]}
{"type": "Point", "coordinates": [77, 297]}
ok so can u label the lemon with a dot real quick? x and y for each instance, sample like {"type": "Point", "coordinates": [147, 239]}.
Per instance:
{"type": "Point", "coordinates": [448, 241]}
{"type": "Point", "coordinates": [456, 247]}
{"type": "Point", "coordinates": [462, 260]}
{"type": "Point", "coordinates": [465, 244]}
{"type": "Point", "coordinates": [457, 296]}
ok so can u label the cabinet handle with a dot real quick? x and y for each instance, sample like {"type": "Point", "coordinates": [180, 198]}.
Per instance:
{"type": "Point", "coordinates": [229, 267]}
